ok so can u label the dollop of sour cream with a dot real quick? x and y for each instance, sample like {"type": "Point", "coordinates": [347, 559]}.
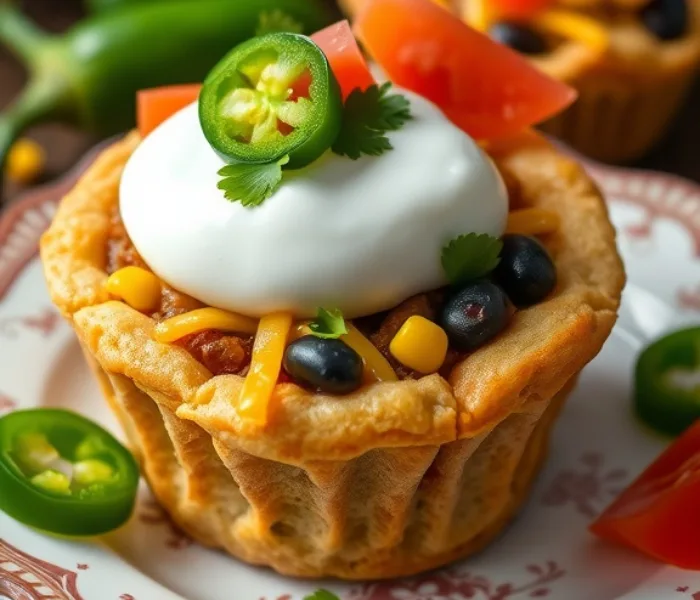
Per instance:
{"type": "Point", "coordinates": [361, 236]}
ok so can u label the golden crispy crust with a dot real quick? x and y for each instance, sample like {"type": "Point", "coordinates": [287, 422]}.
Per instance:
{"type": "Point", "coordinates": [390, 480]}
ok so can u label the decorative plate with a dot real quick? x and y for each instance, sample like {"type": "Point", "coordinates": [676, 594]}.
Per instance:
{"type": "Point", "coordinates": [598, 446]}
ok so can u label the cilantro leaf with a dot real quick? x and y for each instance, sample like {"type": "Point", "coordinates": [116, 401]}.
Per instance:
{"type": "Point", "coordinates": [470, 256]}
{"type": "Point", "coordinates": [275, 21]}
{"type": "Point", "coordinates": [367, 116]}
{"type": "Point", "coordinates": [251, 185]}
{"type": "Point", "coordinates": [321, 595]}
{"type": "Point", "coordinates": [329, 324]}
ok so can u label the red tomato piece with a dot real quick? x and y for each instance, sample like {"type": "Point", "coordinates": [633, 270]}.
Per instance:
{"type": "Point", "coordinates": [349, 66]}
{"type": "Point", "coordinates": [520, 9]}
{"type": "Point", "coordinates": [156, 105]}
{"type": "Point", "coordinates": [485, 88]}
{"type": "Point", "coordinates": [658, 513]}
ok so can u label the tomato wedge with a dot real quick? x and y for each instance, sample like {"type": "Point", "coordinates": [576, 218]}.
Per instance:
{"type": "Point", "coordinates": [485, 88]}
{"type": "Point", "coordinates": [658, 513]}
{"type": "Point", "coordinates": [520, 9]}
{"type": "Point", "coordinates": [153, 106]}
{"type": "Point", "coordinates": [349, 66]}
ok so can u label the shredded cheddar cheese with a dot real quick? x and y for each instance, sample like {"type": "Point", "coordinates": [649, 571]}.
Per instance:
{"type": "Point", "coordinates": [203, 318]}
{"type": "Point", "coordinates": [479, 14]}
{"type": "Point", "coordinates": [574, 26]}
{"type": "Point", "coordinates": [376, 366]}
{"type": "Point", "coordinates": [533, 221]}
{"type": "Point", "coordinates": [265, 366]}
{"type": "Point", "coordinates": [139, 288]}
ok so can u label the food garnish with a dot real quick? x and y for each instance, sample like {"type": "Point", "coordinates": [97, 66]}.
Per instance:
{"type": "Point", "coordinates": [277, 21]}
{"type": "Point", "coordinates": [533, 221]}
{"type": "Point", "coordinates": [64, 474]}
{"type": "Point", "coordinates": [345, 57]}
{"type": "Point", "coordinates": [250, 184]}
{"type": "Point", "coordinates": [324, 364]}
{"type": "Point", "coordinates": [658, 513]}
{"type": "Point", "coordinates": [420, 345]}
{"type": "Point", "coordinates": [526, 271]}
{"type": "Point", "coordinates": [667, 382]}
{"type": "Point", "coordinates": [329, 324]}
{"type": "Point", "coordinates": [426, 49]}
{"type": "Point", "coordinates": [322, 595]}
{"type": "Point", "coordinates": [475, 314]}
{"type": "Point", "coordinates": [518, 36]}
{"type": "Point", "coordinates": [377, 368]}
{"type": "Point", "coordinates": [367, 117]}
{"type": "Point", "coordinates": [251, 113]}
{"type": "Point", "coordinates": [471, 256]}
{"type": "Point", "coordinates": [138, 287]}
{"type": "Point", "coordinates": [265, 365]}
{"type": "Point", "coordinates": [667, 19]}
{"type": "Point", "coordinates": [153, 106]}
{"type": "Point", "coordinates": [90, 74]}
{"type": "Point", "coordinates": [201, 319]}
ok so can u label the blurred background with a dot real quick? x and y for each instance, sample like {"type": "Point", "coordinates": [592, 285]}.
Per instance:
{"type": "Point", "coordinates": [678, 153]}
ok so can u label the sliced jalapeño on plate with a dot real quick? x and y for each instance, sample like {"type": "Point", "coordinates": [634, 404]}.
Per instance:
{"type": "Point", "coordinates": [270, 97]}
{"type": "Point", "coordinates": [63, 474]}
{"type": "Point", "coordinates": [667, 382]}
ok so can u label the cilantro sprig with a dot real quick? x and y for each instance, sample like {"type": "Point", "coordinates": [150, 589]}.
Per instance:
{"type": "Point", "coordinates": [251, 185]}
{"type": "Point", "coordinates": [367, 116]}
{"type": "Point", "coordinates": [470, 256]}
{"type": "Point", "coordinates": [329, 324]}
{"type": "Point", "coordinates": [276, 21]}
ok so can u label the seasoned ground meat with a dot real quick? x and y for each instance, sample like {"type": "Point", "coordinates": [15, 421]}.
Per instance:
{"type": "Point", "coordinates": [220, 353]}
{"type": "Point", "coordinates": [223, 353]}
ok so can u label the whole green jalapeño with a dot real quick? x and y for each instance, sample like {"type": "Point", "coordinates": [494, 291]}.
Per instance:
{"type": "Point", "coordinates": [64, 474]}
{"type": "Point", "coordinates": [270, 97]}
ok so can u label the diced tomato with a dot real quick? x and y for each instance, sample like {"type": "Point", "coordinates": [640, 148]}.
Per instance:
{"type": "Point", "coordinates": [520, 9]}
{"type": "Point", "coordinates": [658, 513]}
{"type": "Point", "coordinates": [156, 105]}
{"type": "Point", "coordinates": [488, 90]}
{"type": "Point", "coordinates": [349, 66]}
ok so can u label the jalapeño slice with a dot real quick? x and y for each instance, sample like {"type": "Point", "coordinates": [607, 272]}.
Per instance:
{"type": "Point", "coordinates": [667, 382]}
{"type": "Point", "coordinates": [64, 474]}
{"type": "Point", "coordinates": [270, 97]}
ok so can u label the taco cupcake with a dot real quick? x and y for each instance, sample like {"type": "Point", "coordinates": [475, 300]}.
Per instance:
{"type": "Point", "coordinates": [336, 329]}
{"type": "Point", "coordinates": [632, 62]}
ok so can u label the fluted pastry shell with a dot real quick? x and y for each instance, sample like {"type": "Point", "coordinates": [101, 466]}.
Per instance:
{"type": "Point", "coordinates": [391, 480]}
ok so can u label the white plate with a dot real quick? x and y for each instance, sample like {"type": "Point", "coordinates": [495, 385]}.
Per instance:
{"type": "Point", "coordinates": [598, 446]}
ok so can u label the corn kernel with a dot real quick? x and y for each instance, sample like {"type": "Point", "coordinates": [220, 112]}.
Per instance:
{"type": "Point", "coordinates": [139, 288]}
{"type": "Point", "coordinates": [26, 161]}
{"type": "Point", "coordinates": [533, 221]}
{"type": "Point", "coordinates": [420, 344]}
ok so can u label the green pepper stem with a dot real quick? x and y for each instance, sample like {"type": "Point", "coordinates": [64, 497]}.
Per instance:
{"type": "Point", "coordinates": [20, 35]}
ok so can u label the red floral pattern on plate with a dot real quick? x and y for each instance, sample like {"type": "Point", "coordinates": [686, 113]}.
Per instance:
{"type": "Point", "coordinates": [686, 590]}
{"type": "Point", "coordinates": [152, 513]}
{"type": "Point", "coordinates": [44, 323]}
{"type": "Point", "coordinates": [458, 583]}
{"type": "Point", "coordinates": [6, 403]}
{"type": "Point", "coordinates": [589, 486]}
{"type": "Point", "coordinates": [25, 577]}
